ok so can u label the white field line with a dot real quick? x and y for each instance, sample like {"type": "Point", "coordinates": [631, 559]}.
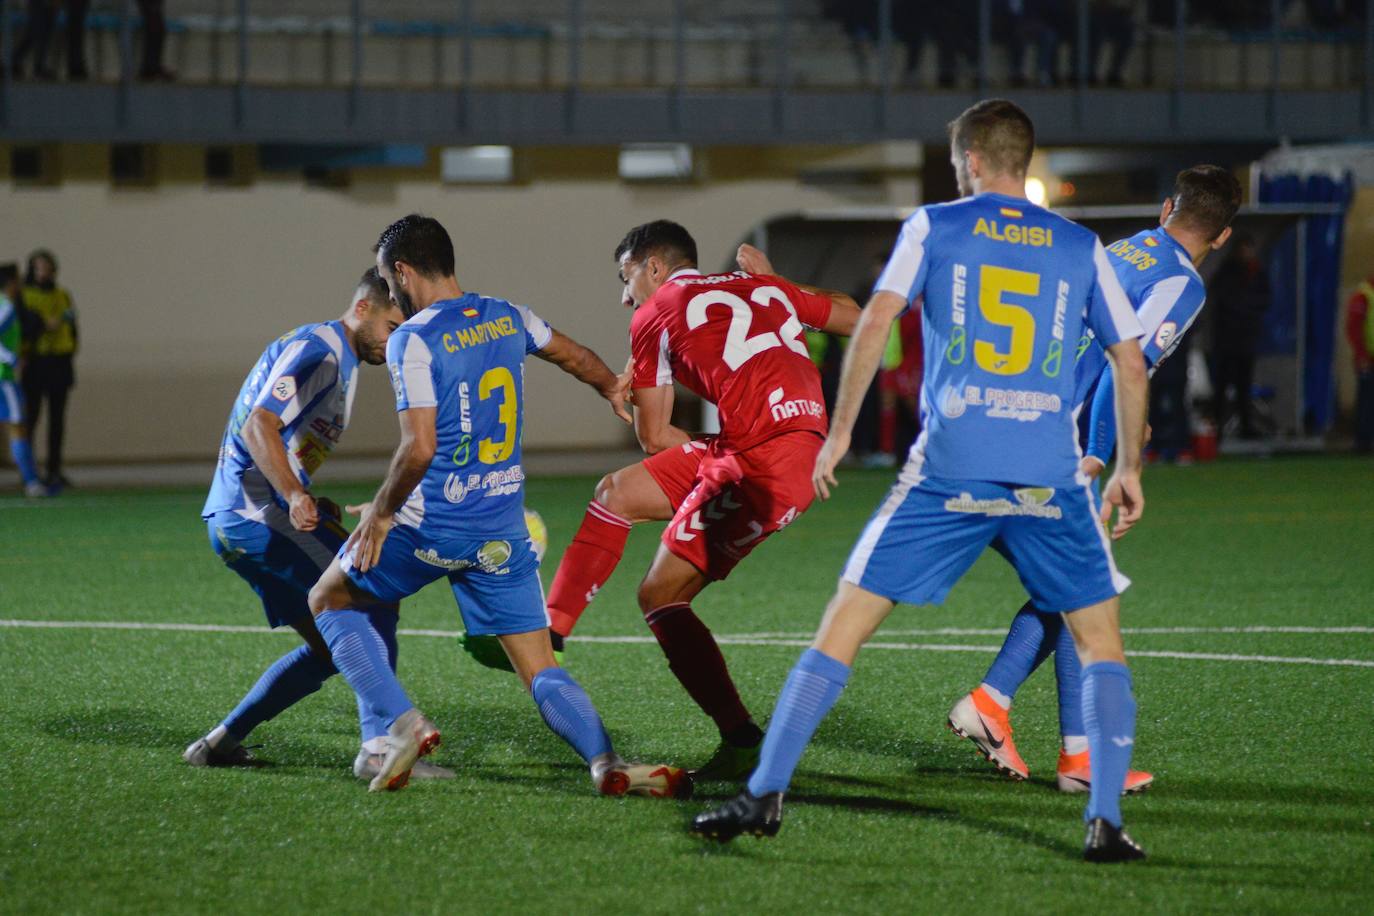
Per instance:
{"type": "Point", "coordinates": [962, 631]}
{"type": "Point", "coordinates": [733, 640]}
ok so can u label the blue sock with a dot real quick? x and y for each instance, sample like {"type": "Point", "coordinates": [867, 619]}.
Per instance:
{"type": "Point", "coordinates": [384, 622]}
{"type": "Point", "coordinates": [360, 654]}
{"type": "Point", "coordinates": [1109, 717]}
{"type": "Point", "coordinates": [1068, 676]}
{"type": "Point", "coordinates": [1028, 643]}
{"type": "Point", "coordinates": [811, 689]}
{"type": "Point", "coordinates": [292, 678]}
{"type": "Point", "coordinates": [22, 453]}
{"type": "Point", "coordinates": [568, 710]}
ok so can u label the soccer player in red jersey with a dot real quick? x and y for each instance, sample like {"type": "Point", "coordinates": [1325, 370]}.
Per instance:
{"type": "Point", "coordinates": [736, 340]}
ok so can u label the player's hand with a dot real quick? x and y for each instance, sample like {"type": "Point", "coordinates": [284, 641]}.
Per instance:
{"type": "Point", "coordinates": [365, 543]}
{"type": "Point", "coordinates": [1091, 467]}
{"type": "Point", "coordinates": [823, 477]}
{"type": "Point", "coordinates": [618, 394]}
{"type": "Point", "coordinates": [1124, 494]}
{"type": "Point", "coordinates": [304, 513]}
{"type": "Point", "coordinates": [753, 261]}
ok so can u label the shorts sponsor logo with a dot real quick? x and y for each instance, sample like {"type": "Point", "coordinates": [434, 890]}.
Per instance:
{"type": "Point", "coordinates": [796, 407]}
{"type": "Point", "coordinates": [1165, 335]}
{"type": "Point", "coordinates": [493, 555]}
{"type": "Point", "coordinates": [1031, 501]}
{"type": "Point", "coordinates": [285, 388]}
{"type": "Point", "coordinates": [430, 556]}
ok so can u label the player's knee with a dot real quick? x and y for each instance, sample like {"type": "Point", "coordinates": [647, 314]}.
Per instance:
{"type": "Point", "coordinates": [322, 596]}
{"type": "Point", "coordinates": [650, 596]}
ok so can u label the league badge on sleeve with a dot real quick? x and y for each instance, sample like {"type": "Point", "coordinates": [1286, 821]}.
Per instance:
{"type": "Point", "coordinates": [284, 389]}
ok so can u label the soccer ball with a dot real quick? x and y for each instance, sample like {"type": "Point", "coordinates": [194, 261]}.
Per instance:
{"type": "Point", "coordinates": [539, 533]}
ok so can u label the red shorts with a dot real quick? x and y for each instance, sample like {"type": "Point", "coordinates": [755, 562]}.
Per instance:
{"type": "Point", "coordinates": [901, 382]}
{"type": "Point", "coordinates": [675, 469]}
{"type": "Point", "coordinates": [737, 499]}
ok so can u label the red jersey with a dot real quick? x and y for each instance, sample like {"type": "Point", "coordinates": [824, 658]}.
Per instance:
{"type": "Point", "coordinates": [736, 340]}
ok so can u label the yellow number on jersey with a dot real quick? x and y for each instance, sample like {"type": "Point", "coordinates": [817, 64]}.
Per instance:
{"type": "Point", "coordinates": [489, 452]}
{"type": "Point", "coordinates": [993, 283]}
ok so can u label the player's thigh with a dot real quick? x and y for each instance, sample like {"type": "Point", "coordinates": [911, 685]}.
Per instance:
{"type": "Point", "coordinates": [740, 500]}
{"type": "Point", "coordinates": [675, 471]}
{"type": "Point", "coordinates": [922, 538]}
{"type": "Point", "coordinates": [851, 618]}
{"type": "Point", "coordinates": [498, 590]}
{"type": "Point", "coordinates": [634, 493]}
{"type": "Point", "coordinates": [409, 561]}
{"type": "Point", "coordinates": [269, 565]}
{"type": "Point", "coordinates": [1059, 549]}
{"type": "Point", "coordinates": [671, 579]}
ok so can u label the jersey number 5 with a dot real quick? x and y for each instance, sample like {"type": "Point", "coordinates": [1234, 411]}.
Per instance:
{"type": "Point", "coordinates": [993, 284]}
{"type": "Point", "coordinates": [739, 346]}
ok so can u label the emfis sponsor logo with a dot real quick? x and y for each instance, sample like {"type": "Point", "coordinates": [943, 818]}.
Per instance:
{"type": "Point", "coordinates": [796, 407]}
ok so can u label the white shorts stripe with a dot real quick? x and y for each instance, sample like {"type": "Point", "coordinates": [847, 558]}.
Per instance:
{"type": "Point", "coordinates": [1119, 581]}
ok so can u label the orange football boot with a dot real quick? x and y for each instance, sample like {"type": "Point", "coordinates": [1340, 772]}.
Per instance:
{"type": "Point", "coordinates": [1074, 775]}
{"type": "Point", "coordinates": [978, 718]}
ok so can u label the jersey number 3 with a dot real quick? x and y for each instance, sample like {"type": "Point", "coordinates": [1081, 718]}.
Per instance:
{"type": "Point", "coordinates": [739, 346]}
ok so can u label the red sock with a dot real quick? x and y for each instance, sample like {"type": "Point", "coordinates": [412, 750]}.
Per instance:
{"type": "Point", "coordinates": [586, 565]}
{"type": "Point", "coordinates": [695, 659]}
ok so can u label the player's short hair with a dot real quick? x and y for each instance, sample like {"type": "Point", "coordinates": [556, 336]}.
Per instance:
{"type": "Point", "coordinates": [9, 272]}
{"type": "Point", "coordinates": [662, 237]}
{"type": "Point", "coordinates": [420, 241]}
{"type": "Point", "coordinates": [1206, 198]}
{"type": "Point", "coordinates": [373, 288]}
{"type": "Point", "coordinates": [998, 131]}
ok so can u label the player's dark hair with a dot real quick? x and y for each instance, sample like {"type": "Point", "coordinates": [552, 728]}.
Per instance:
{"type": "Point", "coordinates": [34, 255]}
{"type": "Point", "coordinates": [662, 237]}
{"type": "Point", "coordinates": [9, 272]}
{"type": "Point", "coordinates": [1206, 198]}
{"type": "Point", "coordinates": [998, 131]}
{"type": "Point", "coordinates": [421, 242]}
{"type": "Point", "coordinates": [373, 288]}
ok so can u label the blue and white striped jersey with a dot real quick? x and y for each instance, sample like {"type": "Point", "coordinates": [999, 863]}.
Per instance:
{"type": "Point", "coordinates": [1009, 289]}
{"type": "Point", "coordinates": [1168, 295]}
{"type": "Point", "coordinates": [465, 357]}
{"type": "Point", "coordinates": [306, 377]}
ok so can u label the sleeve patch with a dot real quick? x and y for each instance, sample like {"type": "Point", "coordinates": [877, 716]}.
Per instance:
{"type": "Point", "coordinates": [1165, 335]}
{"type": "Point", "coordinates": [285, 388]}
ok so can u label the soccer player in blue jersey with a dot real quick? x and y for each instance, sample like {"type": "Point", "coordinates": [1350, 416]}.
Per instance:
{"type": "Point", "coordinates": [11, 397]}
{"type": "Point", "coordinates": [1158, 270]}
{"type": "Point", "coordinates": [267, 526]}
{"type": "Point", "coordinates": [1009, 288]}
{"type": "Point", "coordinates": [452, 506]}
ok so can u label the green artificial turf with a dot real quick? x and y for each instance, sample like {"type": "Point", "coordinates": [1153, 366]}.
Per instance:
{"type": "Point", "coordinates": [1263, 801]}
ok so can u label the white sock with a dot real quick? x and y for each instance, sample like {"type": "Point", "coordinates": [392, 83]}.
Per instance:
{"type": "Point", "coordinates": [998, 697]}
{"type": "Point", "coordinates": [375, 745]}
{"type": "Point", "coordinates": [220, 739]}
{"type": "Point", "coordinates": [1075, 744]}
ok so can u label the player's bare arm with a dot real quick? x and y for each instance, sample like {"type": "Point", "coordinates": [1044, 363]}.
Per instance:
{"type": "Point", "coordinates": [856, 374]}
{"type": "Point", "coordinates": [262, 435]}
{"type": "Point", "coordinates": [1132, 402]}
{"type": "Point", "coordinates": [654, 420]}
{"type": "Point", "coordinates": [408, 466]}
{"type": "Point", "coordinates": [583, 364]}
{"type": "Point", "coordinates": [844, 311]}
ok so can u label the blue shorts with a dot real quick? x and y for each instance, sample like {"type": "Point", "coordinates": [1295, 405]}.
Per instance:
{"type": "Point", "coordinates": [11, 403]}
{"type": "Point", "coordinates": [494, 580]}
{"type": "Point", "coordinates": [278, 562]}
{"type": "Point", "coordinates": [929, 531]}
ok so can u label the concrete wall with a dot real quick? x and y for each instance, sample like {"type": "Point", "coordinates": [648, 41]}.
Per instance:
{"type": "Point", "coordinates": [179, 286]}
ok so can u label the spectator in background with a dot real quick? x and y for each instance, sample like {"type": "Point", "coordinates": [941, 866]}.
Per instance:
{"type": "Point", "coordinates": [1171, 428]}
{"type": "Point", "coordinates": [154, 36]}
{"type": "Point", "coordinates": [49, 374]}
{"type": "Point", "coordinates": [41, 19]}
{"type": "Point", "coordinates": [1112, 26]}
{"type": "Point", "coordinates": [1241, 298]}
{"type": "Point", "coordinates": [859, 19]}
{"type": "Point", "coordinates": [1359, 330]}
